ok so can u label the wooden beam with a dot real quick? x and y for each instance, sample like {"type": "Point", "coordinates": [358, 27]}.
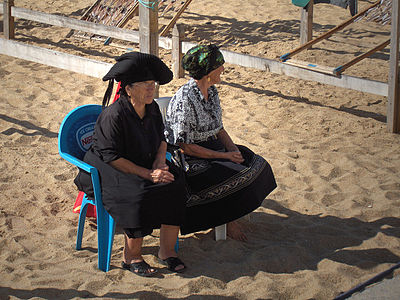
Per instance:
{"type": "Point", "coordinates": [306, 22]}
{"type": "Point", "coordinates": [53, 58]}
{"type": "Point", "coordinates": [8, 20]}
{"type": "Point", "coordinates": [167, 28]}
{"type": "Point", "coordinates": [393, 106]}
{"type": "Point", "coordinates": [347, 65]}
{"type": "Point", "coordinates": [327, 34]}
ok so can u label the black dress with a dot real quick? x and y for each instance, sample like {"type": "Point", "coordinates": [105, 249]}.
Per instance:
{"type": "Point", "coordinates": [220, 191]}
{"type": "Point", "coordinates": [133, 202]}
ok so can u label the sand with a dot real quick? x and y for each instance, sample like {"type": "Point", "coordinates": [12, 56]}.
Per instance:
{"type": "Point", "coordinates": [332, 223]}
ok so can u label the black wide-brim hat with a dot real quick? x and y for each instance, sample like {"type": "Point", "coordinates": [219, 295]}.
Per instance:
{"type": "Point", "coordinates": [136, 67]}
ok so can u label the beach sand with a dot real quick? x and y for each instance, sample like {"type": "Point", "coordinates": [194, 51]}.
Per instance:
{"type": "Point", "coordinates": [332, 223]}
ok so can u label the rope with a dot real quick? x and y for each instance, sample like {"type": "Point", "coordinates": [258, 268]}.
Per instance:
{"type": "Point", "coordinates": [149, 4]}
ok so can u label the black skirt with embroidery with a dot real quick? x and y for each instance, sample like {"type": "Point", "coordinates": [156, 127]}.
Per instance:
{"type": "Point", "coordinates": [222, 191]}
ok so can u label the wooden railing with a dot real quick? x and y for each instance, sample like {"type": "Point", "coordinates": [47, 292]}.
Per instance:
{"type": "Point", "coordinates": [98, 69]}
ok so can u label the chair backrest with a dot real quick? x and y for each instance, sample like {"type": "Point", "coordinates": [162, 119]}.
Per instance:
{"type": "Point", "coordinates": [163, 104]}
{"type": "Point", "coordinates": [76, 130]}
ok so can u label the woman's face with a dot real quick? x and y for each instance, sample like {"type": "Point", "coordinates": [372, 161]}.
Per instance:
{"type": "Point", "coordinates": [215, 75]}
{"type": "Point", "coordinates": [141, 92]}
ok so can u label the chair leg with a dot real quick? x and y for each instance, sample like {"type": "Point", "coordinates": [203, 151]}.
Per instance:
{"type": "Point", "coordinates": [105, 238]}
{"type": "Point", "coordinates": [220, 232]}
{"type": "Point", "coordinates": [176, 248]}
{"type": "Point", "coordinates": [81, 223]}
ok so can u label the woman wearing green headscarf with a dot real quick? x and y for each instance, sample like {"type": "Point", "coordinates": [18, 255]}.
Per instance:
{"type": "Point", "coordinates": [225, 181]}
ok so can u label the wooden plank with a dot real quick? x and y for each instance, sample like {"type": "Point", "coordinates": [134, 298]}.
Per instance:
{"type": "Point", "coordinates": [61, 21]}
{"type": "Point", "coordinates": [306, 23]}
{"type": "Point", "coordinates": [53, 58]}
{"type": "Point", "coordinates": [393, 106]}
{"type": "Point", "coordinates": [326, 34]}
{"type": "Point", "coordinates": [310, 66]}
{"type": "Point", "coordinates": [347, 65]}
{"type": "Point", "coordinates": [171, 24]}
{"type": "Point", "coordinates": [8, 20]}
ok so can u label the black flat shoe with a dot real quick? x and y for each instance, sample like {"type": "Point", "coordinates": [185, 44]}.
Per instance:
{"type": "Point", "coordinates": [172, 263]}
{"type": "Point", "coordinates": [140, 268]}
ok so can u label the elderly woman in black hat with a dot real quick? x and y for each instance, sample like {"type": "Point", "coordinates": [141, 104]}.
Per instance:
{"type": "Point", "coordinates": [226, 181]}
{"type": "Point", "coordinates": [140, 189]}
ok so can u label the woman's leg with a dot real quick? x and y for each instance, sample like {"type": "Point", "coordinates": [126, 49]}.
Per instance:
{"type": "Point", "coordinates": [168, 236]}
{"type": "Point", "coordinates": [235, 231]}
{"type": "Point", "coordinates": [133, 252]}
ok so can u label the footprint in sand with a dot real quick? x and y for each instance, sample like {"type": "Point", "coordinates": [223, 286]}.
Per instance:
{"type": "Point", "coordinates": [65, 176]}
{"type": "Point", "coordinates": [393, 186]}
{"type": "Point", "coordinates": [329, 200]}
{"type": "Point", "coordinates": [392, 195]}
{"type": "Point", "coordinates": [88, 90]}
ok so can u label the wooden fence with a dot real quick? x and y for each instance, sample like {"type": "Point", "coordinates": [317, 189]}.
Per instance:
{"type": "Point", "coordinates": [98, 69]}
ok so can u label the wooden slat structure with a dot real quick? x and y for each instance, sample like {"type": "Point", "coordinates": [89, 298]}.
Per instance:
{"type": "Point", "coordinates": [84, 16]}
{"type": "Point", "coordinates": [326, 34]}
{"type": "Point", "coordinates": [107, 12]}
{"type": "Point", "coordinates": [171, 24]}
{"type": "Point", "coordinates": [306, 20]}
{"type": "Point", "coordinates": [98, 69]}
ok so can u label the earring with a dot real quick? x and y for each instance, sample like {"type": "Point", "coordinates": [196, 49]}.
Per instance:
{"type": "Point", "coordinates": [209, 79]}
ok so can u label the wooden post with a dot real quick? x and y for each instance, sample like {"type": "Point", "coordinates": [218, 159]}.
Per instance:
{"type": "Point", "coordinates": [178, 33]}
{"type": "Point", "coordinates": [306, 23]}
{"type": "Point", "coordinates": [8, 20]}
{"type": "Point", "coordinates": [148, 33]}
{"type": "Point", "coordinates": [393, 106]}
{"type": "Point", "coordinates": [148, 29]}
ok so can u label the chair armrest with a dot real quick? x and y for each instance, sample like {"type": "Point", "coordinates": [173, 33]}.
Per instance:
{"type": "Point", "coordinates": [77, 162]}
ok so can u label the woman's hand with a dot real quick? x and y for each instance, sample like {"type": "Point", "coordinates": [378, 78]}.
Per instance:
{"type": "Point", "coordinates": [160, 164]}
{"type": "Point", "coordinates": [161, 176]}
{"type": "Point", "coordinates": [234, 156]}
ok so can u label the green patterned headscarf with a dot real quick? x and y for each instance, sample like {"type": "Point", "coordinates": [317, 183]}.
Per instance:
{"type": "Point", "coordinates": [201, 60]}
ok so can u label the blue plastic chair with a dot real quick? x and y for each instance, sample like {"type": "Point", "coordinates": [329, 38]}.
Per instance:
{"type": "Point", "coordinates": [74, 139]}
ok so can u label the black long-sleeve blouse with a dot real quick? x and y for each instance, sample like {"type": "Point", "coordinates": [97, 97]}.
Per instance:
{"type": "Point", "coordinates": [121, 133]}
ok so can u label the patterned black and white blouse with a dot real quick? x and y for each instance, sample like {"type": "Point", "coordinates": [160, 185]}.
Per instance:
{"type": "Point", "coordinates": [190, 118]}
